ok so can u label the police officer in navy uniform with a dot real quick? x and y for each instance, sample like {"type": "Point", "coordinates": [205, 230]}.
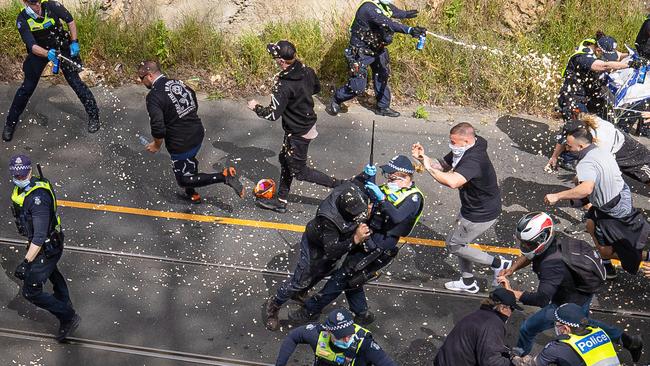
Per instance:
{"type": "Point", "coordinates": [338, 227]}
{"type": "Point", "coordinates": [40, 27]}
{"type": "Point", "coordinates": [34, 207]}
{"type": "Point", "coordinates": [577, 344]}
{"type": "Point", "coordinates": [339, 341]}
{"type": "Point", "coordinates": [582, 87]}
{"type": "Point", "coordinates": [371, 31]}
{"type": "Point", "coordinates": [397, 207]}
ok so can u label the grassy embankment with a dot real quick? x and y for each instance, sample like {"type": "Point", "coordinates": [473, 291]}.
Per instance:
{"type": "Point", "coordinates": [441, 74]}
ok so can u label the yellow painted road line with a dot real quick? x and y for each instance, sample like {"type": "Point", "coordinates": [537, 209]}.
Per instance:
{"type": "Point", "coordinates": [250, 223]}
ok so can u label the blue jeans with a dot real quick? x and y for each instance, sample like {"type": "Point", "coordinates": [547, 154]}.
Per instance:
{"type": "Point", "coordinates": [38, 272]}
{"type": "Point", "coordinates": [305, 276]}
{"type": "Point", "coordinates": [544, 320]}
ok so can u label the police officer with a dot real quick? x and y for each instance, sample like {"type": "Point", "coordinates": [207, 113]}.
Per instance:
{"type": "Point", "coordinates": [339, 341]}
{"type": "Point", "coordinates": [396, 210]}
{"type": "Point", "coordinates": [582, 87]}
{"type": "Point", "coordinates": [337, 228]}
{"type": "Point", "coordinates": [172, 108]}
{"type": "Point", "coordinates": [642, 38]}
{"type": "Point", "coordinates": [34, 207]}
{"type": "Point", "coordinates": [560, 281]}
{"type": "Point", "coordinates": [577, 344]}
{"type": "Point", "coordinates": [371, 31]}
{"type": "Point", "coordinates": [292, 100]}
{"type": "Point", "coordinates": [41, 29]}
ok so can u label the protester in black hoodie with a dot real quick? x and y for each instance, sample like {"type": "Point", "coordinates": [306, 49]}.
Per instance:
{"type": "Point", "coordinates": [292, 100]}
{"type": "Point", "coordinates": [478, 338]}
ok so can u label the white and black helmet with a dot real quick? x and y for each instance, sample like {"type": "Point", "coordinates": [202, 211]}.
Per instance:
{"type": "Point", "coordinates": [534, 232]}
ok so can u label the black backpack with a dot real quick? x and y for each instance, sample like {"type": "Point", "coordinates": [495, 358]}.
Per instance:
{"type": "Point", "coordinates": [585, 264]}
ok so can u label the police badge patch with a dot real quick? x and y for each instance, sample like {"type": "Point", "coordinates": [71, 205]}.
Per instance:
{"type": "Point", "coordinates": [37, 201]}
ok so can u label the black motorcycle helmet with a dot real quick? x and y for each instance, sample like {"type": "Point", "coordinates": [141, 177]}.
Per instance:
{"type": "Point", "coordinates": [353, 204]}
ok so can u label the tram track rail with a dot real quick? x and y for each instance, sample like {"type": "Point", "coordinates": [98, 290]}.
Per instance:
{"type": "Point", "coordinates": [282, 274]}
{"type": "Point", "coordinates": [129, 349]}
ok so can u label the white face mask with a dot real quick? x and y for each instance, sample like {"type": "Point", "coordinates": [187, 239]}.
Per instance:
{"type": "Point", "coordinates": [393, 187]}
{"type": "Point", "coordinates": [31, 12]}
{"type": "Point", "coordinates": [21, 183]}
{"type": "Point", "coordinates": [458, 153]}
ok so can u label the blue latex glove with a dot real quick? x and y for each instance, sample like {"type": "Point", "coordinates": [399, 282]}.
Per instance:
{"type": "Point", "coordinates": [375, 191]}
{"type": "Point", "coordinates": [52, 55]}
{"type": "Point", "coordinates": [370, 170]}
{"type": "Point", "coordinates": [74, 49]}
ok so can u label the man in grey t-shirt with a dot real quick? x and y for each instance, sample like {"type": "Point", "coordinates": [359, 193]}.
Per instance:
{"type": "Point", "coordinates": [599, 179]}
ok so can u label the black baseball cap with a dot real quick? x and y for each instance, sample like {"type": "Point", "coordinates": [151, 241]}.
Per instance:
{"type": "Point", "coordinates": [282, 49]}
{"type": "Point", "coordinates": [506, 297]}
{"type": "Point", "coordinates": [399, 163]}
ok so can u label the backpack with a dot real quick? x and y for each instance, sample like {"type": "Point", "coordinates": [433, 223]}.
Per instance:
{"type": "Point", "coordinates": [585, 264]}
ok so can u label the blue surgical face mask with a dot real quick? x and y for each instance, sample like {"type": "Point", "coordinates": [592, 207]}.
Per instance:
{"type": "Point", "coordinates": [345, 345]}
{"type": "Point", "coordinates": [31, 13]}
{"type": "Point", "coordinates": [21, 183]}
{"type": "Point", "coordinates": [392, 186]}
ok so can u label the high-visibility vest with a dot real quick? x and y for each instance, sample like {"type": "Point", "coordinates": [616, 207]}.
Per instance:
{"type": "Point", "coordinates": [595, 348]}
{"type": "Point", "coordinates": [324, 351]}
{"type": "Point", "coordinates": [396, 198]}
{"type": "Point", "coordinates": [18, 199]}
{"type": "Point", "coordinates": [582, 49]}
{"type": "Point", "coordinates": [385, 9]}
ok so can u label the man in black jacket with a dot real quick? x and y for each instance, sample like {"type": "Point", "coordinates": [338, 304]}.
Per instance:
{"type": "Point", "coordinates": [292, 100]}
{"type": "Point", "coordinates": [336, 229]}
{"type": "Point", "coordinates": [40, 25]}
{"type": "Point", "coordinates": [172, 108]}
{"type": "Point", "coordinates": [478, 338]}
{"type": "Point", "coordinates": [557, 282]}
{"type": "Point", "coordinates": [642, 38]}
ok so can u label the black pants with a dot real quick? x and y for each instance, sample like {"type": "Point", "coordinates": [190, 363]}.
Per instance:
{"type": "Point", "coordinates": [38, 272]}
{"type": "Point", "coordinates": [293, 164]}
{"type": "Point", "coordinates": [359, 79]}
{"type": "Point", "coordinates": [186, 171]}
{"type": "Point", "coordinates": [634, 160]}
{"type": "Point", "coordinates": [33, 67]}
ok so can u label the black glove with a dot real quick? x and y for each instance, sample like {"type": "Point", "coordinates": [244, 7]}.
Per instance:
{"type": "Point", "coordinates": [636, 64]}
{"type": "Point", "coordinates": [21, 269]}
{"type": "Point", "coordinates": [417, 32]}
{"type": "Point", "coordinates": [410, 14]}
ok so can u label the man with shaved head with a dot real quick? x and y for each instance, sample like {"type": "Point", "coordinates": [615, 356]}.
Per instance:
{"type": "Point", "coordinates": [172, 108]}
{"type": "Point", "coordinates": [468, 168]}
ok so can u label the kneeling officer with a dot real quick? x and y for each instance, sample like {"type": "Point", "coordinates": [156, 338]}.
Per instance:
{"type": "Point", "coordinates": [336, 342]}
{"type": "Point", "coordinates": [34, 207]}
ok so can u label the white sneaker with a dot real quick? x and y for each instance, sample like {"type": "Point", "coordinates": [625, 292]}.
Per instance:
{"type": "Point", "coordinates": [460, 286]}
{"type": "Point", "coordinates": [505, 264]}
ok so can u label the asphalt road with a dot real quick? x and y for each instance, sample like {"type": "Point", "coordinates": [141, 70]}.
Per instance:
{"type": "Point", "coordinates": [154, 271]}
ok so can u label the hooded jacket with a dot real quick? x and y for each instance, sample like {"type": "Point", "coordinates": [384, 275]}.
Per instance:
{"type": "Point", "coordinates": [292, 99]}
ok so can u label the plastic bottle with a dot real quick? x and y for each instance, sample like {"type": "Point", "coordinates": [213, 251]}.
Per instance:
{"type": "Point", "coordinates": [142, 139]}
{"type": "Point", "coordinates": [421, 40]}
{"type": "Point", "coordinates": [55, 67]}
{"type": "Point", "coordinates": [642, 72]}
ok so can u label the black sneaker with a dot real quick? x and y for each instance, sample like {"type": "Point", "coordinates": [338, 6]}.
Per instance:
{"type": "Point", "coordinates": [93, 125]}
{"type": "Point", "coordinates": [611, 271]}
{"type": "Point", "coordinates": [302, 316]}
{"type": "Point", "coordinates": [273, 204]}
{"type": "Point", "coordinates": [333, 108]}
{"type": "Point", "coordinates": [364, 318]}
{"type": "Point", "coordinates": [8, 131]}
{"type": "Point", "coordinates": [387, 112]}
{"type": "Point", "coordinates": [233, 182]}
{"type": "Point", "coordinates": [634, 346]}
{"type": "Point", "coordinates": [67, 328]}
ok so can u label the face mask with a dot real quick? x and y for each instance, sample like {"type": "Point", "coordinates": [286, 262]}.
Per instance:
{"type": "Point", "coordinates": [345, 345]}
{"type": "Point", "coordinates": [557, 331]}
{"type": "Point", "coordinates": [31, 12]}
{"type": "Point", "coordinates": [393, 187]}
{"type": "Point", "coordinates": [21, 183]}
{"type": "Point", "coordinates": [458, 153]}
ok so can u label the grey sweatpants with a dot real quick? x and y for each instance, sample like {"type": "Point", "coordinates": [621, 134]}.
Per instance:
{"type": "Point", "coordinates": [459, 238]}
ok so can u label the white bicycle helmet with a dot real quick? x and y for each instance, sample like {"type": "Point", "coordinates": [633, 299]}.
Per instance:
{"type": "Point", "coordinates": [533, 233]}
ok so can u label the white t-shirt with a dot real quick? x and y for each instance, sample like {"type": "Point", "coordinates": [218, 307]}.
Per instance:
{"type": "Point", "coordinates": [609, 137]}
